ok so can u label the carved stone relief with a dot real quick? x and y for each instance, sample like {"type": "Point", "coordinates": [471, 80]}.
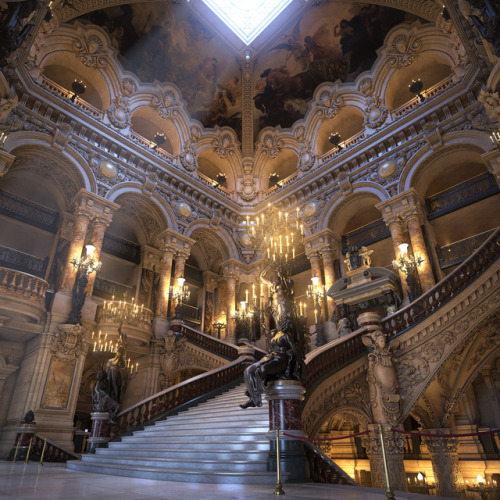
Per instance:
{"type": "Point", "coordinates": [403, 51]}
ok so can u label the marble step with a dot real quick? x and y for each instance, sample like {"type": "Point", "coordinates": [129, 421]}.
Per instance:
{"type": "Point", "coordinates": [179, 463]}
{"type": "Point", "coordinates": [242, 436]}
{"type": "Point", "coordinates": [261, 445]}
{"type": "Point", "coordinates": [191, 476]}
{"type": "Point", "coordinates": [217, 454]}
{"type": "Point", "coordinates": [225, 427]}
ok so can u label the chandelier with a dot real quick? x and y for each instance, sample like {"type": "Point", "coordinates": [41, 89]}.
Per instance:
{"type": "Point", "coordinates": [278, 234]}
{"type": "Point", "coordinates": [87, 264]}
{"type": "Point", "coordinates": [316, 293]}
{"type": "Point", "coordinates": [180, 293]}
{"type": "Point", "coordinates": [408, 265]}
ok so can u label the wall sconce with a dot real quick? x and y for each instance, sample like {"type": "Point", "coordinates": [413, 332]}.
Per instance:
{"type": "Point", "coordinates": [335, 139]}
{"type": "Point", "coordinates": [221, 178]}
{"type": "Point", "coordinates": [78, 88]}
{"type": "Point", "coordinates": [219, 325]}
{"type": "Point", "coordinates": [3, 138]}
{"type": "Point", "coordinates": [158, 139]}
{"type": "Point", "coordinates": [274, 180]}
{"type": "Point", "coordinates": [408, 265]}
{"type": "Point", "coordinates": [87, 264]}
{"type": "Point", "coordinates": [416, 87]}
{"type": "Point", "coordinates": [180, 294]}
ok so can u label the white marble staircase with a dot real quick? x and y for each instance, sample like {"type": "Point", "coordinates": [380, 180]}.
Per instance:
{"type": "Point", "coordinates": [213, 442]}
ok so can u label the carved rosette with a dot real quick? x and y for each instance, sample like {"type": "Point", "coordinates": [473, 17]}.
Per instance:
{"type": "Point", "coordinates": [444, 458]}
{"type": "Point", "coordinates": [394, 451]}
{"type": "Point", "coordinates": [403, 51]}
{"type": "Point", "coordinates": [223, 145]}
{"type": "Point", "coordinates": [67, 342]}
{"type": "Point", "coordinates": [91, 51]}
{"type": "Point", "coordinates": [306, 158]}
{"type": "Point", "coordinates": [128, 86]}
{"type": "Point", "coordinates": [329, 104]}
{"type": "Point", "coordinates": [491, 103]}
{"type": "Point", "coordinates": [165, 103]}
{"type": "Point", "coordinates": [375, 113]}
{"type": "Point", "coordinates": [271, 146]}
{"type": "Point", "coordinates": [119, 113]}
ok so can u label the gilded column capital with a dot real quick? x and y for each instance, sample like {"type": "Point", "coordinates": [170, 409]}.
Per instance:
{"type": "Point", "coordinates": [92, 205]}
{"type": "Point", "coordinates": [231, 269]}
{"type": "Point", "coordinates": [322, 241]}
{"type": "Point", "coordinates": [180, 244]}
{"type": "Point", "coordinates": [401, 206]}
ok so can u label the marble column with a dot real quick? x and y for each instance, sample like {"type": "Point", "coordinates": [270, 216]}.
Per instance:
{"type": "Point", "coordinates": [231, 307]}
{"type": "Point", "coordinates": [285, 406]}
{"type": "Point", "coordinates": [328, 266]}
{"type": "Point", "coordinates": [315, 260]}
{"type": "Point", "coordinates": [99, 226]}
{"type": "Point", "coordinates": [210, 284]}
{"type": "Point", "coordinates": [396, 228]}
{"type": "Point", "coordinates": [445, 464]}
{"type": "Point", "coordinates": [82, 221]}
{"type": "Point", "coordinates": [394, 451]}
{"type": "Point", "coordinates": [167, 257]}
{"type": "Point", "coordinates": [419, 249]}
{"type": "Point", "coordinates": [179, 268]}
{"type": "Point", "coordinates": [492, 159]}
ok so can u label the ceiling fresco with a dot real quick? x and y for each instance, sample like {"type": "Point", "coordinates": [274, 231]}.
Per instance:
{"type": "Point", "coordinates": [169, 43]}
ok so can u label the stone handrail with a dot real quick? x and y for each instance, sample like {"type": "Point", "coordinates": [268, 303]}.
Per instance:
{"type": "Point", "coordinates": [216, 346]}
{"type": "Point", "coordinates": [23, 285]}
{"type": "Point", "coordinates": [333, 356]}
{"type": "Point", "coordinates": [324, 470]}
{"type": "Point", "coordinates": [180, 394]}
{"type": "Point", "coordinates": [52, 453]}
{"type": "Point", "coordinates": [446, 289]}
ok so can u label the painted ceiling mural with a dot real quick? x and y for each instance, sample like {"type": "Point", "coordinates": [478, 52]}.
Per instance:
{"type": "Point", "coordinates": [167, 42]}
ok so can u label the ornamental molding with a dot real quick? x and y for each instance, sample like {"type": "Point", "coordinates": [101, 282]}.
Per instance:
{"type": "Point", "coordinates": [67, 342]}
{"type": "Point", "coordinates": [271, 145]}
{"type": "Point", "coordinates": [402, 51]}
{"type": "Point", "coordinates": [91, 51]}
{"type": "Point", "coordinates": [223, 145]}
{"type": "Point", "coordinates": [119, 113]}
{"type": "Point", "coordinates": [329, 104]}
{"type": "Point", "coordinates": [165, 103]}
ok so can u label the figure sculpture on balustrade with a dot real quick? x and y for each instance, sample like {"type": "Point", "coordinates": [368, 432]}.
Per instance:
{"type": "Point", "coordinates": [78, 297]}
{"type": "Point", "coordinates": [285, 358]}
{"type": "Point", "coordinates": [116, 371]}
{"type": "Point", "coordinates": [382, 380]}
{"type": "Point", "coordinates": [101, 399]}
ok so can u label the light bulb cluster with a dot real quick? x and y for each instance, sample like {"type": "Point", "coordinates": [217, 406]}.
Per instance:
{"type": "Point", "coordinates": [87, 264]}
{"type": "Point", "coordinates": [180, 293]}
{"type": "Point", "coordinates": [408, 264]}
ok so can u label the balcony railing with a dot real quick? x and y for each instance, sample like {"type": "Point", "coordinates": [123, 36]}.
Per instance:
{"type": "Point", "coordinates": [23, 285]}
{"type": "Point", "coordinates": [367, 235]}
{"type": "Point", "coordinates": [210, 343]}
{"type": "Point", "coordinates": [147, 144]}
{"type": "Point", "coordinates": [27, 211]}
{"type": "Point", "coordinates": [190, 313]}
{"type": "Point", "coordinates": [457, 252]}
{"type": "Point", "coordinates": [24, 262]}
{"type": "Point", "coordinates": [107, 289]}
{"type": "Point", "coordinates": [347, 144]}
{"type": "Point", "coordinates": [461, 195]}
{"type": "Point", "coordinates": [210, 182]}
{"type": "Point", "coordinates": [446, 289]}
{"type": "Point", "coordinates": [122, 248]}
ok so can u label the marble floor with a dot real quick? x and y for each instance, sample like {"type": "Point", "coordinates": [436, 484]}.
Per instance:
{"type": "Point", "coordinates": [53, 482]}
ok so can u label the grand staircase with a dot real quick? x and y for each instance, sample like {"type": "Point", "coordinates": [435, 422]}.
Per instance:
{"type": "Point", "coordinates": [213, 442]}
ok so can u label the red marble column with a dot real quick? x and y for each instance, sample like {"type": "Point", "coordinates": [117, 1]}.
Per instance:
{"type": "Point", "coordinates": [419, 249]}
{"type": "Point", "coordinates": [397, 234]}
{"type": "Point", "coordinates": [99, 226]}
{"type": "Point", "coordinates": [231, 307]}
{"type": "Point", "coordinates": [167, 256]}
{"type": "Point", "coordinates": [327, 256]}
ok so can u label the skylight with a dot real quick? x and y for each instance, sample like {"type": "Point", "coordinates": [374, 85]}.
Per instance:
{"type": "Point", "coordinates": [247, 18]}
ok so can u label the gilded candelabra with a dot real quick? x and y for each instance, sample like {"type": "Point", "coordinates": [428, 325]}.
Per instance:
{"type": "Point", "coordinates": [180, 293]}
{"type": "Point", "coordinates": [408, 265]}
{"type": "Point", "coordinates": [317, 293]}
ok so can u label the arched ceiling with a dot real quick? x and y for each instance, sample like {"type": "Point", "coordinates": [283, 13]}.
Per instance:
{"type": "Point", "coordinates": [310, 43]}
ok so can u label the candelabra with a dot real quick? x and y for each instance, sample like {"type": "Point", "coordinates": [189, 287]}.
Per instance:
{"type": "Point", "coordinates": [495, 138]}
{"type": "Point", "coordinates": [279, 234]}
{"type": "Point", "coordinates": [85, 265]}
{"type": "Point", "coordinates": [220, 326]}
{"type": "Point", "coordinates": [124, 311]}
{"type": "Point", "coordinates": [484, 488]}
{"type": "Point", "coordinates": [179, 293]}
{"type": "Point", "coordinates": [408, 265]}
{"type": "Point", "coordinates": [316, 293]}
{"type": "Point", "coordinates": [244, 322]}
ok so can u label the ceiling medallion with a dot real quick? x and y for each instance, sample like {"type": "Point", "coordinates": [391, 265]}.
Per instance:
{"type": "Point", "coordinates": [247, 19]}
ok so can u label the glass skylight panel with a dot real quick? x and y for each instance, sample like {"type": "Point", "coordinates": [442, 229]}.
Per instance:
{"type": "Point", "coordinates": [247, 18]}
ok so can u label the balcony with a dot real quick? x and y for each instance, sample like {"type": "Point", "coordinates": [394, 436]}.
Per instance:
{"type": "Point", "coordinates": [22, 297]}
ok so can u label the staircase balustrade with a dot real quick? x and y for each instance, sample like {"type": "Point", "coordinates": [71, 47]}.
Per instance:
{"type": "Point", "coordinates": [324, 470]}
{"type": "Point", "coordinates": [52, 453]}
{"type": "Point", "coordinates": [446, 289]}
{"type": "Point", "coordinates": [154, 407]}
{"type": "Point", "coordinates": [210, 343]}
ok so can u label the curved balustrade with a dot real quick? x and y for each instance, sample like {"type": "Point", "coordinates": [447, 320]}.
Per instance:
{"type": "Point", "coordinates": [446, 289]}
{"type": "Point", "coordinates": [332, 357]}
{"type": "Point", "coordinates": [23, 285]}
{"type": "Point", "coordinates": [210, 343]}
{"type": "Point", "coordinates": [179, 394]}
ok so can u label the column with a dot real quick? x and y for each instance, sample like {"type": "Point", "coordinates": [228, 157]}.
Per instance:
{"type": "Point", "coordinates": [425, 275]}
{"type": "Point", "coordinates": [167, 257]}
{"type": "Point", "coordinates": [208, 318]}
{"type": "Point", "coordinates": [444, 458]}
{"type": "Point", "coordinates": [396, 228]}
{"type": "Point", "coordinates": [99, 226]}
{"type": "Point", "coordinates": [179, 267]}
{"type": "Point", "coordinates": [315, 260]}
{"type": "Point", "coordinates": [492, 159]}
{"type": "Point", "coordinates": [394, 452]}
{"type": "Point", "coordinates": [82, 221]}
{"type": "Point", "coordinates": [231, 306]}
{"type": "Point", "coordinates": [328, 258]}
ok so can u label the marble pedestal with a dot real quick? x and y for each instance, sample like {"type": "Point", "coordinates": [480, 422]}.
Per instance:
{"type": "Point", "coordinates": [100, 432]}
{"type": "Point", "coordinates": [24, 434]}
{"type": "Point", "coordinates": [285, 406]}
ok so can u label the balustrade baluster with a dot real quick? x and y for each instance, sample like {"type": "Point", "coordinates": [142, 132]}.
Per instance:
{"type": "Point", "coordinates": [5, 278]}
{"type": "Point", "coordinates": [14, 278]}
{"type": "Point", "coordinates": [28, 286]}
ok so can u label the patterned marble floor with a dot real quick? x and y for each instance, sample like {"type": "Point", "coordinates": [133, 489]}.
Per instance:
{"type": "Point", "coordinates": [54, 482]}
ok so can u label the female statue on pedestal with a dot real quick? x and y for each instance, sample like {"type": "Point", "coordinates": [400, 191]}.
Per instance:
{"type": "Point", "coordinates": [286, 357]}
